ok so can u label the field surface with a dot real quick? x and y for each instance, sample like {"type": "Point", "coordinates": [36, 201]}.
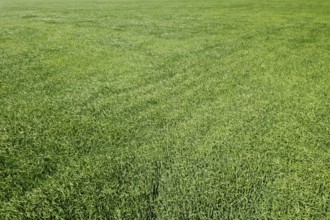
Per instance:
{"type": "Point", "coordinates": [165, 109]}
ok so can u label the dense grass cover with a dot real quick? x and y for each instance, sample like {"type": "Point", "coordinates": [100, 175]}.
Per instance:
{"type": "Point", "coordinates": [141, 109]}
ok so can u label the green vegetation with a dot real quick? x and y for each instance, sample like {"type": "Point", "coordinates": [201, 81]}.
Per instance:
{"type": "Point", "coordinates": [180, 109]}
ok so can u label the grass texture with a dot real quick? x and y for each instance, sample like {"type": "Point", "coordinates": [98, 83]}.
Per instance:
{"type": "Point", "coordinates": [165, 109]}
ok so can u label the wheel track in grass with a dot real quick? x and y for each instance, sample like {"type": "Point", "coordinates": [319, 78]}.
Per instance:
{"type": "Point", "coordinates": [192, 95]}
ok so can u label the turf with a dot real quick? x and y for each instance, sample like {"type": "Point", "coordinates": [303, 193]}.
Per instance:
{"type": "Point", "coordinates": [166, 109]}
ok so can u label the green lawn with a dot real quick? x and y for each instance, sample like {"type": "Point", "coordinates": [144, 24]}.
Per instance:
{"type": "Point", "coordinates": [165, 109]}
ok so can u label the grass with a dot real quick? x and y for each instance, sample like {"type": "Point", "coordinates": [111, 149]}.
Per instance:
{"type": "Point", "coordinates": [140, 109]}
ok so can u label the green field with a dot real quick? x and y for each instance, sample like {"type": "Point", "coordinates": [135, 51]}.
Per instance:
{"type": "Point", "coordinates": [165, 109]}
